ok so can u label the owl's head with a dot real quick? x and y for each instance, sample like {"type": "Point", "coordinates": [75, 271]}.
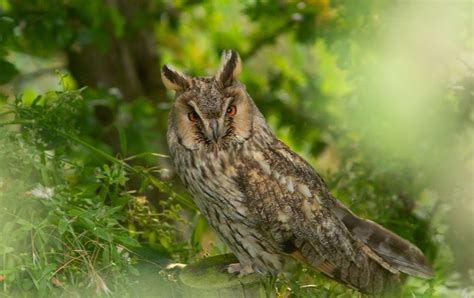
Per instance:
{"type": "Point", "coordinates": [210, 111]}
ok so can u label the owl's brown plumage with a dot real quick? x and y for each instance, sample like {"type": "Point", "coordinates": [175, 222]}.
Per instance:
{"type": "Point", "coordinates": [266, 202]}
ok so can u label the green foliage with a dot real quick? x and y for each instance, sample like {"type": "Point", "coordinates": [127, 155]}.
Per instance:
{"type": "Point", "coordinates": [8, 71]}
{"type": "Point", "coordinates": [67, 224]}
{"type": "Point", "coordinates": [376, 95]}
{"type": "Point", "coordinates": [54, 234]}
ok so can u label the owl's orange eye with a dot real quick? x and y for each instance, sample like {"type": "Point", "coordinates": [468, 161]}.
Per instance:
{"type": "Point", "coordinates": [192, 116]}
{"type": "Point", "coordinates": [232, 110]}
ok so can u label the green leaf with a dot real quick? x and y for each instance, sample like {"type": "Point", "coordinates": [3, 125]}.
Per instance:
{"type": "Point", "coordinates": [6, 250]}
{"type": "Point", "coordinates": [123, 140]}
{"type": "Point", "coordinates": [118, 22]}
{"type": "Point", "coordinates": [62, 225]}
{"type": "Point", "coordinates": [165, 242]}
{"type": "Point", "coordinates": [7, 71]}
{"type": "Point", "coordinates": [102, 233]}
{"type": "Point", "coordinates": [133, 271]}
{"type": "Point", "coordinates": [26, 225]}
{"type": "Point", "coordinates": [127, 241]}
{"type": "Point", "coordinates": [75, 212]}
{"type": "Point", "coordinates": [199, 228]}
{"type": "Point", "coordinates": [106, 255]}
{"type": "Point", "coordinates": [110, 211]}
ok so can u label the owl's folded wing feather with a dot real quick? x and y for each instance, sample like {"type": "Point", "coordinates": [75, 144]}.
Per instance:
{"type": "Point", "coordinates": [391, 248]}
{"type": "Point", "coordinates": [306, 222]}
{"type": "Point", "coordinates": [297, 217]}
{"type": "Point", "coordinates": [396, 251]}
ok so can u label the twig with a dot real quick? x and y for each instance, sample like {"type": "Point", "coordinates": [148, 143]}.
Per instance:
{"type": "Point", "coordinates": [15, 122]}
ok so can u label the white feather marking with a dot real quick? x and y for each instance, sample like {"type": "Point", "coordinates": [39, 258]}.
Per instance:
{"type": "Point", "coordinates": [290, 185]}
{"type": "Point", "coordinates": [265, 167]}
{"type": "Point", "coordinates": [230, 171]}
{"type": "Point", "coordinates": [276, 175]}
{"type": "Point", "coordinates": [362, 233]}
{"type": "Point", "coordinates": [303, 188]}
{"type": "Point", "coordinates": [258, 156]}
{"type": "Point", "coordinates": [283, 217]}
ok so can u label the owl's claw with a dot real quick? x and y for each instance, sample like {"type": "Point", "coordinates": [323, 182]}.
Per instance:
{"type": "Point", "coordinates": [239, 270]}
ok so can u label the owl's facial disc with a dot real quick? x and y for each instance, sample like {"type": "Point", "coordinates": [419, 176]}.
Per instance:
{"type": "Point", "coordinates": [211, 120]}
{"type": "Point", "coordinates": [210, 110]}
{"type": "Point", "coordinates": [216, 117]}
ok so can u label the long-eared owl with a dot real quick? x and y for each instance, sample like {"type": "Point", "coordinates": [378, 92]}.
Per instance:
{"type": "Point", "coordinates": [266, 202]}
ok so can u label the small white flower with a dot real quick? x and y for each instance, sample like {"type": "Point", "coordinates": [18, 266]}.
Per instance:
{"type": "Point", "coordinates": [42, 192]}
{"type": "Point", "coordinates": [120, 248]}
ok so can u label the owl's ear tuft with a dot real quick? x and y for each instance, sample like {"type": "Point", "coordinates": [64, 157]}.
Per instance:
{"type": "Point", "coordinates": [230, 68]}
{"type": "Point", "coordinates": [173, 79]}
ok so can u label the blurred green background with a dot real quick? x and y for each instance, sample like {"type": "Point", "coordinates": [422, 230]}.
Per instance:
{"type": "Point", "coordinates": [377, 95]}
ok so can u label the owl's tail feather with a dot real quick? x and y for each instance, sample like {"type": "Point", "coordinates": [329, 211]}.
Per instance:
{"type": "Point", "coordinates": [366, 274]}
{"type": "Point", "coordinates": [394, 250]}
{"type": "Point", "coordinates": [371, 278]}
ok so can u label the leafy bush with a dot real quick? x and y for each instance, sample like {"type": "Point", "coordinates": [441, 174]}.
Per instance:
{"type": "Point", "coordinates": [376, 95]}
{"type": "Point", "coordinates": [66, 223]}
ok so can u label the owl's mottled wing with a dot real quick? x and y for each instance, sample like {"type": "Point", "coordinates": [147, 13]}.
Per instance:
{"type": "Point", "coordinates": [396, 251]}
{"type": "Point", "coordinates": [297, 211]}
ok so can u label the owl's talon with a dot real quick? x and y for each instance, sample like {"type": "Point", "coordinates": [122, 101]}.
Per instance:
{"type": "Point", "coordinates": [239, 270]}
{"type": "Point", "coordinates": [234, 268]}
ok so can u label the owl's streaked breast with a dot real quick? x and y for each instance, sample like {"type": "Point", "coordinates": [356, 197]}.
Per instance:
{"type": "Point", "coordinates": [210, 177]}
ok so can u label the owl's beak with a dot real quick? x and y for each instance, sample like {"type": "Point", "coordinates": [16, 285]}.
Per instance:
{"type": "Point", "coordinates": [215, 129]}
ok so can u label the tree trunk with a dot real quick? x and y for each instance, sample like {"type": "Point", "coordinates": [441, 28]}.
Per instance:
{"type": "Point", "coordinates": [130, 64]}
